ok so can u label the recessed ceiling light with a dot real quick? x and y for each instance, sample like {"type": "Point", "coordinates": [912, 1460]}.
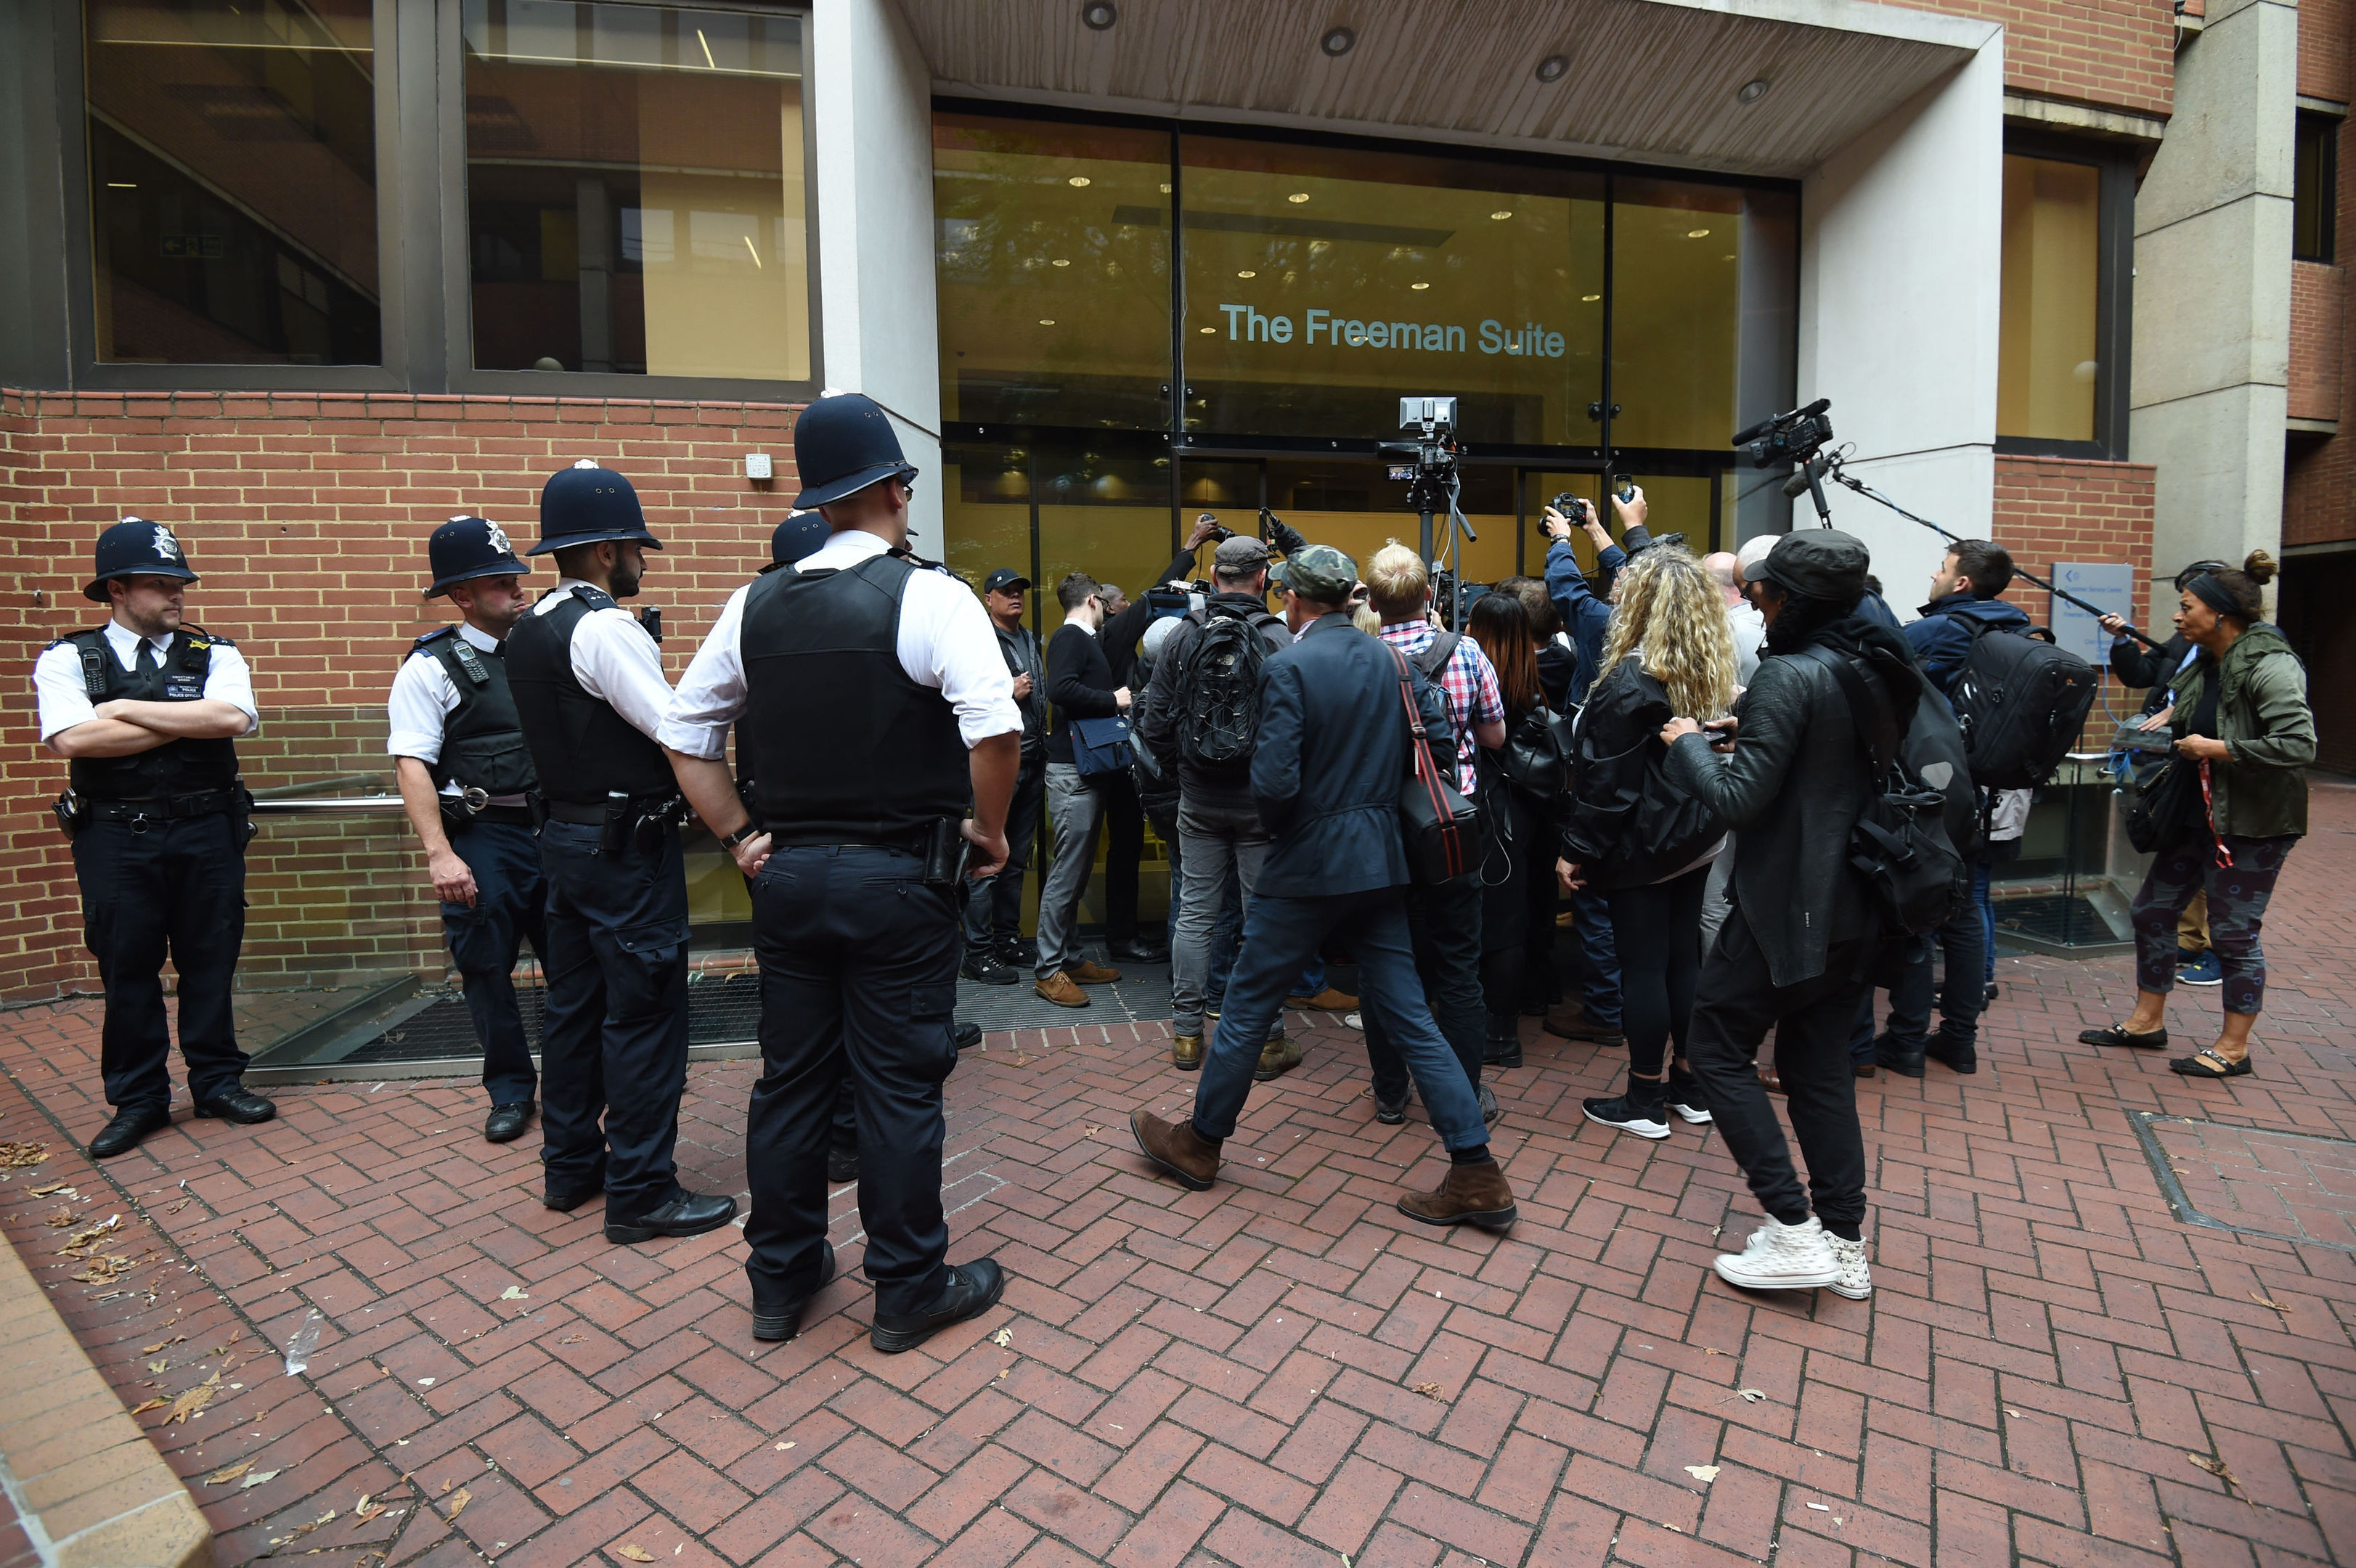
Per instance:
{"type": "Point", "coordinates": [1059, 262]}
{"type": "Point", "coordinates": [1099, 15]}
{"type": "Point", "coordinates": [1165, 188]}
{"type": "Point", "coordinates": [1338, 42]}
{"type": "Point", "coordinates": [1046, 320]}
{"type": "Point", "coordinates": [1751, 92]}
{"type": "Point", "coordinates": [1589, 299]}
{"type": "Point", "coordinates": [1730, 256]}
{"type": "Point", "coordinates": [1696, 233]}
{"type": "Point", "coordinates": [1502, 213]}
{"type": "Point", "coordinates": [1079, 181]}
{"type": "Point", "coordinates": [1209, 329]}
{"type": "Point", "coordinates": [1418, 285]}
{"type": "Point", "coordinates": [1298, 195]}
{"type": "Point", "coordinates": [122, 185]}
{"type": "Point", "coordinates": [1248, 272]}
{"type": "Point", "coordinates": [1554, 68]}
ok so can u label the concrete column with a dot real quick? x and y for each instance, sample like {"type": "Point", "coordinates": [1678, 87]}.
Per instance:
{"type": "Point", "coordinates": [1900, 240]}
{"type": "Point", "coordinates": [871, 100]}
{"type": "Point", "coordinates": [2213, 292]}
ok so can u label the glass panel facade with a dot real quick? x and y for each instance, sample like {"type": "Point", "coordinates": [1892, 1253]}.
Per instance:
{"type": "Point", "coordinates": [2045, 345]}
{"type": "Point", "coordinates": [233, 181]}
{"type": "Point", "coordinates": [635, 190]}
{"type": "Point", "coordinates": [1054, 272]}
{"type": "Point", "coordinates": [2315, 186]}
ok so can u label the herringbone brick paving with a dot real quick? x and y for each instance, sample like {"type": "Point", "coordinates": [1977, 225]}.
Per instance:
{"type": "Point", "coordinates": [1281, 1370]}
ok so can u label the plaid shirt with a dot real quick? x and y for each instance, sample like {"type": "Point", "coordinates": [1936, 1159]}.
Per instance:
{"type": "Point", "coordinates": [1468, 679]}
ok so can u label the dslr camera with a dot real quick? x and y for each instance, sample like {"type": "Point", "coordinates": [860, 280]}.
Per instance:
{"type": "Point", "coordinates": [1220, 533]}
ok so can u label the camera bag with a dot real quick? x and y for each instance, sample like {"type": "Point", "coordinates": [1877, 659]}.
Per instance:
{"type": "Point", "coordinates": [1441, 828]}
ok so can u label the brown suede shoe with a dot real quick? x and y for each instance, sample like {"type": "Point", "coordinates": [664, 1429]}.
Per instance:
{"type": "Point", "coordinates": [1770, 1081]}
{"type": "Point", "coordinates": [1862, 1069]}
{"type": "Point", "coordinates": [1328, 1000]}
{"type": "Point", "coordinates": [1186, 1053]}
{"type": "Point", "coordinates": [1276, 1057]}
{"type": "Point", "coordinates": [1059, 989]}
{"type": "Point", "coordinates": [1089, 973]}
{"type": "Point", "coordinates": [1176, 1147]}
{"type": "Point", "coordinates": [1472, 1195]}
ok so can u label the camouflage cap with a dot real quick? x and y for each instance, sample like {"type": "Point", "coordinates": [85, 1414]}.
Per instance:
{"type": "Point", "coordinates": [1320, 573]}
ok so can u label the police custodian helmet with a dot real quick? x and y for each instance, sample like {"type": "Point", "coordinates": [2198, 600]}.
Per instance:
{"type": "Point", "coordinates": [469, 547]}
{"type": "Point", "coordinates": [587, 505]}
{"type": "Point", "coordinates": [136, 548]}
{"type": "Point", "coordinates": [842, 444]}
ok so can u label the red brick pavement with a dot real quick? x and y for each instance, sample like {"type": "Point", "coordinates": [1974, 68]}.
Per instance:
{"type": "Point", "coordinates": [1279, 1370]}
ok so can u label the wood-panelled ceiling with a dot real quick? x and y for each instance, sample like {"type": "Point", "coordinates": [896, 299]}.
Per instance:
{"type": "Point", "coordinates": [1649, 80]}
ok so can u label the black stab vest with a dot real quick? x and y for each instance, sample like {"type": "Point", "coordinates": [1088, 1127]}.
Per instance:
{"type": "Point", "coordinates": [175, 767]}
{"type": "Point", "coordinates": [482, 738]}
{"type": "Point", "coordinates": [846, 748]}
{"type": "Point", "coordinates": [582, 748]}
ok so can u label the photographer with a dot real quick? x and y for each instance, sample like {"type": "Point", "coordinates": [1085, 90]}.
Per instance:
{"type": "Point", "coordinates": [1200, 719]}
{"type": "Point", "coordinates": [1646, 843]}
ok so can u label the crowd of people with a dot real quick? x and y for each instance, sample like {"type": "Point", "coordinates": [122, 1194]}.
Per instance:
{"type": "Point", "coordinates": [1641, 800]}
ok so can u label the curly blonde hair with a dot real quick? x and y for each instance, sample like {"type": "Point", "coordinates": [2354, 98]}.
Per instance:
{"type": "Point", "coordinates": [1670, 614]}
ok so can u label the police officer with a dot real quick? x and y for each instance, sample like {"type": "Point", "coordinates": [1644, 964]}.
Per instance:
{"type": "Point", "coordinates": [148, 708]}
{"type": "Point", "coordinates": [880, 709]}
{"type": "Point", "coordinates": [589, 688]}
{"type": "Point", "coordinates": [465, 775]}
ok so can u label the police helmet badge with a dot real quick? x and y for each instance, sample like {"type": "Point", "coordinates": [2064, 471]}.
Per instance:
{"type": "Point", "coordinates": [166, 547]}
{"type": "Point", "coordinates": [498, 538]}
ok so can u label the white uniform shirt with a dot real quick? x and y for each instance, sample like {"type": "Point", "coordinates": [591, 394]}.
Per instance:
{"type": "Point", "coordinates": [945, 642]}
{"type": "Point", "coordinates": [614, 660]}
{"type": "Point", "coordinates": [65, 702]}
{"type": "Point", "coordinates": [423, 698]}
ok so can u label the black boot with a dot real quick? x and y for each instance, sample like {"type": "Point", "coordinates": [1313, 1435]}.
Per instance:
{"type": "Point", "coordinates": [1501, 1045]}
{"type": "Point", "coordinates": [1898, 1056]}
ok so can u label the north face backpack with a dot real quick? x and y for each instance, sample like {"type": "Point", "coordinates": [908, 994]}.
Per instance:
{"type": "Point", "coordinates": [1911, 842]}
{"type": "Point", "coordinates": [2022, 703]}
{"type": "Point", "coordinates": [1221, 712]}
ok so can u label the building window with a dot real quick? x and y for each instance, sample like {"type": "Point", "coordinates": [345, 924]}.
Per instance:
{"type": "Point", "coordinates": [2067, 272]}
{"type": "Point", "coordinates": [2314, 186]}
{"type": "Point", "coordinates": [635, 190]}
{"type": "Point", "coordinates": [233, 181]}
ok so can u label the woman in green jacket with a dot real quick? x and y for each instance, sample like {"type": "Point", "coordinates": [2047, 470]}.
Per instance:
{"type": "Point", "coordinates": [2245, 736]}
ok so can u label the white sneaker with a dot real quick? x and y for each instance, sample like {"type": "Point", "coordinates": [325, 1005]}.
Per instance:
{"type": "Point", "coordinates": [1856, 1280]}
{"type": "Point", "coordinates": [1352, 1020]}
{"type": "Point", "coordinates": [1784, 1257]}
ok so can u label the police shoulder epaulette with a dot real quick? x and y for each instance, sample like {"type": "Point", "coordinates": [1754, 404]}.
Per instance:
{"type": "Point", "coordinates": [199, 637]}
{"type": "Point", "coordinates": [918, 562]}
{"type": "Point", "coordinates": [594, 598]}
{"type": "Point", "coordinates": [436, 635]}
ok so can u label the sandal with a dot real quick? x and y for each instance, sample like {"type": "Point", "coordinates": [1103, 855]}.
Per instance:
{"type": "Point", "coordinates": [2118, 1034]}
{"type": "Point", "coordinates": [2209, 1064]}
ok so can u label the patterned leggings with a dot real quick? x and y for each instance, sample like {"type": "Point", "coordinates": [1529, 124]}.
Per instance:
{"type": "Point", "coordinates": [2237, 908]}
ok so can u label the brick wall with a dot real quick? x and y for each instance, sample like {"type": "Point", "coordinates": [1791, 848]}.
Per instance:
{"type": "Point", "coordinates": [307, 517]}
{"type": "Point", "coordinates": [2320, 473]}
{"type": "Point", "coordinates": [2118, 54]}
{"type": "Point", "coordinates": [2056, 508]}
{"type": "Point", "coordinates": [2323, 60]}
{"type": "Point", "coordinates": [2319, 294]}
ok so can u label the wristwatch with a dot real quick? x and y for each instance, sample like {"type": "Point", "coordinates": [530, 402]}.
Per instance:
{"type": "Point", "coordinates": [730, 841]}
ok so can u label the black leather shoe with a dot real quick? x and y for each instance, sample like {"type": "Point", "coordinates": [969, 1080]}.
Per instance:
{"type": "Point", "coordinates": [506, 1123]}
{"type": "Point", "coordinates": [988, 968]}
{"type": "Point", "coordinates": [689, 1215]}
{"type": "Point", "coordinates": [972, 1289]}
{"type": "Point", "coordinates": [841, 1165]}
{"type": "Point", "coordinates": [967, 1035]}
{"type": "Point", "coordinates": [1889, 1053]}
{"type": "Point", "coordinates": [786, 1321]}
{"type": "Point", "coordinates": [1139, 950]}
{"type": "Point", "coordinates": [564, 1200]}
{"type": "Point", "coordinates": [1022, 952]}
{"type": "Point", "coordinates": [240, 1105]}
{"type": "Point", "coordinates": [121, 1135]}
{"type": "Point", "coordinates": [1941, 1047]}
{"type": "Point", "coordinates": [1391, 1114]}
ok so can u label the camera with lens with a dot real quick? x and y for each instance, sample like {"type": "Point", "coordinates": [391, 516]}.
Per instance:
{"type": "Point", "coordinates": [1220, 533]}
{"type": "Point", "coordinates": [1572, 509]}
{"type": "Point", "coordinates": [1793, 437]}
{"type": "Point", "coordinates": [1427, 466]}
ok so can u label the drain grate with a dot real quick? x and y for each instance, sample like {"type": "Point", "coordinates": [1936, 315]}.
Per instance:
{"type": "Point", "coordinates": [2253, 1181]}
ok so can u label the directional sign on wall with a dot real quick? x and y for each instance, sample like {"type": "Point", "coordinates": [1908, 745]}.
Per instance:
{"type": "Point", "coordinates": [2110, 585]}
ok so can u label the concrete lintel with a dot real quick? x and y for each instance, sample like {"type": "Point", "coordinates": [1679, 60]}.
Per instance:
{"type": "Point", "coordinates": [2315, 105]}
{"type": "Point", "coordinates": [2025, 109]}
{"type": "Point", "coordinates": [2297, 426]}
{"type": "Point", "coordinates": [2320, 547]}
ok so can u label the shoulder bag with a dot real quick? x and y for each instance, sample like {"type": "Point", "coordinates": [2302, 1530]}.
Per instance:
{"type": "Point", "coordinates": [1441, 828]}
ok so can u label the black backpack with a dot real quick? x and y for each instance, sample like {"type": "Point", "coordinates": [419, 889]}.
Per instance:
{"type": "Point", "coordinates": [1911, 840]}
{"type": "Point", "coordinates": [1220, 723]}
{"type": "Point", "coordinates": [2022, 703]}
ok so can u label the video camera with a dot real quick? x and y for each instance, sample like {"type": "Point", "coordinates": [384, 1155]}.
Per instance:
{"type": "Point", "coordinates": [1798, 437]}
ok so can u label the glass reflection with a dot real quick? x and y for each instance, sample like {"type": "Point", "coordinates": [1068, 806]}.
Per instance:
{"type": "Point", "coordinates": [2045, 335]}
{"type": "Point", "coordinates": [1323, 283]}
{"type": "Point", "coordinates": [1052, 269]}
{"type": "Point", "coordinates": [233, 171]}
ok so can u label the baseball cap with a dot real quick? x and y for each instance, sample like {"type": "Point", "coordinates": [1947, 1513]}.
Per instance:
{"type": "Point", "coordinates": [1004, 577]}
{"type": "Point", "coordinates": [1753, 551]}
{"type": "Point", "coordinates": [1320, 573]}
{"type": "Point", "coordinates": [1818, 563]}
{"type": "Point", "coordinates": [1240, 554]}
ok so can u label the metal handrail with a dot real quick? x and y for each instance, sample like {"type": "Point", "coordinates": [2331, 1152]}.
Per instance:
{"type": "Point", "coordinates": [331, 805]}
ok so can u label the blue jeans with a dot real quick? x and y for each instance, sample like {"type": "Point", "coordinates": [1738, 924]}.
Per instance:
{"type": "Point", "coordinates": [1961, 997]}
{"type": "Point", "coordinates": [1313, 979]}
{"type": "Point", "coordinates": [1598, 958]}
{"type": "Point", "coordinates": [1280, 936]}
{"type": "Point", "coordinates": [1986, 901]}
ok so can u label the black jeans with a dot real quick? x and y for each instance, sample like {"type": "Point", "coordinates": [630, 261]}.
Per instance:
{"type": "Point", "coordinates": [1658, 931]}
{"type": "Point", "coordinates": [510, 906]}
{"type": "Point", "coordinates": [1443, 928]}
{"type": "Point", "coordinates": [614, 1048]}
{"type": "Point", "coordinates": [1736, 1005]}
{"type": "Point", "coordinates": [993, 910]}
{"type": "Point", "coordinates": [858, 981]}
{"type": "Point", "coordinates": [1124, 846]}
{"type": "Point", "coordinates": [1961, 996]}
{"type": "Point", "coordinates": [175, 888]}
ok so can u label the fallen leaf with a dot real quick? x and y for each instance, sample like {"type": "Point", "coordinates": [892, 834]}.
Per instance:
{"type": "Point", "coordinates": [52, 1187]}
{"type": "Point", "coordinates": [512, 1293]}
{"type": "Point", "coordinates": [783, 1447]}
{"type": "Point", "coordinates": [1702, 1472]}
{"type": "Point", "coordinates": [1429, 1390]}
{"type": "Point", "coordinates": [258, 1477]}
{"type": "Point", "coordinates": [180, 1205]}
{"type": "Point", "coordinates": [634, 1554]}
{"type": "Point", "coordinates": [1708, 1350]}
{"type": "Point", "coordinates": [2268, 1301]}
{"type": "Point", "coordinates": [573, 1339]}
{"type": "Point", "coordinates": [158, 1365]}
{"type": "Point", "coordinates": [57, 1219]}
{"type": "Point", "coordinates": [17, 1155]}
{"type": "Point", "coordinates": [361, 1516]}
{"type": "Point", "coordinates": [151, 1350]}
{"type": "Point", "coordinates": [151, 1405]}
{"type": "Point", "coordinates": [194, 1400]}
{"type": "Point", "coordinates": [446, 1486]}
{"type": "Point", "coordinates": [1821, 1507]}
{"type": "Point", "coordinates": [458, 1502]}
{"type": "Point", "coordinates": [1749, 1395]}
{"type": "Point", "coordinates": [1004, 1337]}
{"type": "Point", "coordinates": [1094, 1131]}
{"type": "Point", "coordinates": [2012, 1412]}
{"type": "Point", "coordinates": [230, 1473]}
{"type": "Point", "coordinates": [425, 1383]}
{"type": "Point", "coordinates": [2224, 1472]}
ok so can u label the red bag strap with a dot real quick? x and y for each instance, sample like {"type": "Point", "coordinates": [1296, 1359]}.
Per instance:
{"type": "Point", "coordinates": [1419, 753]}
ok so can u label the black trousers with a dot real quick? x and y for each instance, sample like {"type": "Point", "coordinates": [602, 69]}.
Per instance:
{"type": "Point", "coordinates": [994, 915]}
{"type": "Point", "coordinates": [1124, 846]}
{"type": "Point", "coordinates": [1658, 931]}
{"type": "Point", "coordinates": [174, 889]}
{"type": "Point", "coordinates": [1735, 1006]}
{"type": "Point", "coordinates": [858, 979]}
{"type": "Point", "coordinates": [510, 907]}
{"type": "Point", "coordinates": [1444, 928]}
{"type": "Point", "coordinates": [614, 1043]}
